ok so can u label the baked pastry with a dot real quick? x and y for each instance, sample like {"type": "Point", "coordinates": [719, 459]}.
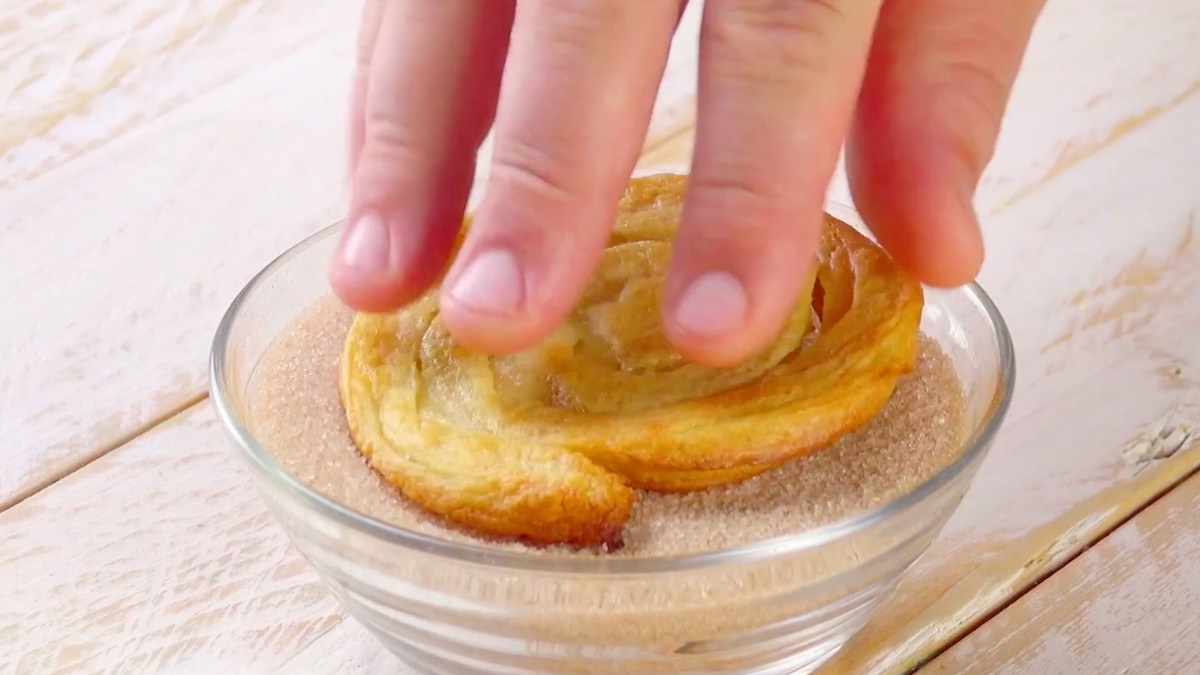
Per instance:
{"type": "Point", "coordinates": [549, 445]}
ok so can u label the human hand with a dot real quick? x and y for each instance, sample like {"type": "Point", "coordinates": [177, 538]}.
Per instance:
{"type": "Point", "coordinates": [916, 89]}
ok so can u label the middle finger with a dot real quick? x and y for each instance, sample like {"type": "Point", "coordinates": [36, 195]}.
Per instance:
{"type": "Point", "coordinates": [575, 102]}
{"type": "Point", "coordinates": [778, 81]}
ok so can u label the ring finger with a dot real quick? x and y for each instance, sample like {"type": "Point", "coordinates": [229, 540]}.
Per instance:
{"type": "Point", "coordinates": [575, 101]}
{"type": "Point", "coordinates": [778, 82]}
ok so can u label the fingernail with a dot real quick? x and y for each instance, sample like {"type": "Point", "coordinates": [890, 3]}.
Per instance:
{"type": "Point", "coordinates": [491, 283]}
{"type": "Point", "coordinates": [715, 304]}
{"type": "Point", "coordinates": [365, 246]}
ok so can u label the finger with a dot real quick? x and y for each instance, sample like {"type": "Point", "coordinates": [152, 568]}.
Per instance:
{"type": "Point", "coordinates": [934, 93]}
{"type": "Point", "coordinates": [368, 31]}
{"type": "Point", "coordinates": [578, 89]}
{"type": "Point", "coordinates": [432, 83]}
{"type": "Point", "coordinates": [778, 80]}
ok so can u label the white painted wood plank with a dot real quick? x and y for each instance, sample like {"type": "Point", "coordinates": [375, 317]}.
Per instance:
{"type": "Point", "coordinates": [1126, 605]}
{"type": "Point", "coordinates": [156, 558]}
{"type": "Point", "coordinates": [1089, 256]}
{"type": "Point", "coordinates": [145, 178]}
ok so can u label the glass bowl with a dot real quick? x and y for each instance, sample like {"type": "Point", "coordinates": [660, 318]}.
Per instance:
{"type": "Point", "coordinates": [783, 605]}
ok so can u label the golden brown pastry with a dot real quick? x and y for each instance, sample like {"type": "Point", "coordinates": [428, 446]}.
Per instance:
{"type": "Point", "coordinates": [548, 445]}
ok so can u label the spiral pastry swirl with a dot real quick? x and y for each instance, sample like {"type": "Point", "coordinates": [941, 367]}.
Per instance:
{"type": "Point", "coordinates": [549, 445]}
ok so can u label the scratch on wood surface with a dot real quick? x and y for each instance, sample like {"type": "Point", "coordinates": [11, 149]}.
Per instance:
{"type": "Point", "coordinates": [345, 647]}
{"type": "Point", "coordinates": [1177, 428]}
{"type": "Point", "coordinates": [76, 83]}
{"type": "Point", "coordinates": [674, 145]}
{"type": "Point", "coordinates": [96, 440]}
{"type": "Point", "coordinates": [683, 116]}
{"type": "Point", "coordinates": [1077, 151]}
{"type": "Point", "coordinates": [996, 583]}
{"type": "Point", "coordinates": [1135, 287]}
{"type": "Point", "coordinates": [159, 558]}
{"type": "Point", "coordinates": [1040, 561]}
{"type": "Point", "coordinates": [1126, 604]}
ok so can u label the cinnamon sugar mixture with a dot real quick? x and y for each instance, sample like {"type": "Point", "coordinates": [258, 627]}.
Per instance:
{"type": "Point", "coordinates": [295, 413]}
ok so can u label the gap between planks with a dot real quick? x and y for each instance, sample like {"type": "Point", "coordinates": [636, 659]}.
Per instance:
{"type": "Point", "coordinates": [1126, 606]}
{"type": "Point", "coordinates": [162, 418]}
{"type": "Point", "coordinates": [1050, 570]}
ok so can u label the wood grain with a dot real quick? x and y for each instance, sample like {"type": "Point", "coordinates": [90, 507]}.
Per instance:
{"type": "Point", "coordinates": [165, 562]}
{"type": "Point", "coordinates": [1096, 278]}
{"type": "Point", "coordinates": [154, 158]}
{"type": "Point", "coordinates": [78, 78]}
{"type": "Point", "coordinates": [129, 217]}
{"type": "Point", "coordinates": [143, 184]}
{"type": "Point", "coordinates": [1127, 605]}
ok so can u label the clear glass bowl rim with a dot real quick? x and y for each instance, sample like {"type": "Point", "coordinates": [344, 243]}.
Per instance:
{"type": "Point", "coordinates": [481, 554]}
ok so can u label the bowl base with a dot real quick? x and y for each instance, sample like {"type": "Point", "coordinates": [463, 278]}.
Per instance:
{"type": "Point", "coordinates": [808, 661]}
{"type": "Point", "coordinates": [798, 660]}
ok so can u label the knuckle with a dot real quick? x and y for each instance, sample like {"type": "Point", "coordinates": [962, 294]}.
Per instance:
{"type": "Point", "coordinates": [975, 98]}
{"type": "Point", "coordinates": [979, 86]}
{"type": "Point", "coordinates": [387, 138]}
{"type": "Point", "coordinates": [578, 23]}
{"type": "Point", "coordinates": [773, 39]}
{"type": "Point", "coordinates": [390, 153]}
{"type": "Point", "coordinates": [586, 9]}
{"type": "Point", "coordinates": [782, 18]}
{"type": "Point", "coordinates": [533, 172]}
{"type": "Point", "coordinates": [737, 217]}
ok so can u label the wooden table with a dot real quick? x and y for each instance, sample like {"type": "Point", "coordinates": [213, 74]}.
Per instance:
{"type": "Point", "coordinates": [155, 153]}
